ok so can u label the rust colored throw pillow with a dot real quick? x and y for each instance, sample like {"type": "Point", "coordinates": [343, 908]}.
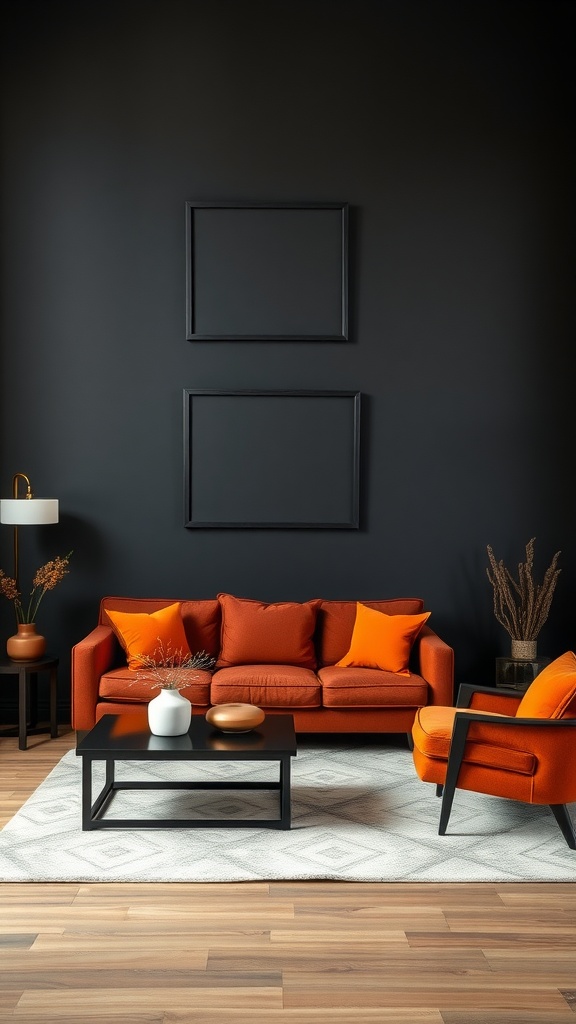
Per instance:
{"type": "Point", "coordinates": [141, 633]}
{"type": "Point", "coordinates": [553, 692]}
{"type": "Point", "coordinates": [382, 641]}
{"type": "Point", "coordinates": [267, 634]}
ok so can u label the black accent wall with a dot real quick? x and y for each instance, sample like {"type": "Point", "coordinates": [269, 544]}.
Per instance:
{"type": "Point", "coordinates": [448, 128]}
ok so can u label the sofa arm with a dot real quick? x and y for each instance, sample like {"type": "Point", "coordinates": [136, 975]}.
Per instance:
{"type": "Point", "coordinates": [91, 657]}
{"type": "Point", "coordinates": [436, 665]}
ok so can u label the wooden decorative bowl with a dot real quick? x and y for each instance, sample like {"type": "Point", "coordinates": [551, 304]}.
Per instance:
{"type": "Point", "coordinates": [235, 717]}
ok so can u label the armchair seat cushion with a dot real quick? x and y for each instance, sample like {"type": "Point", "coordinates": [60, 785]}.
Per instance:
{"type": "Point", "coordinates": [123, 684]}
{"type": "Point", "coordinates": [267, 686]}
{"type": "Point", "coordinates": [432, 735]}
{"type": "Point", "coordinates": [370, 687]}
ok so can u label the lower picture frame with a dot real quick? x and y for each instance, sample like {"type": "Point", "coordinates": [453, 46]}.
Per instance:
{"type": "Point", "coordinates": [271, 459]}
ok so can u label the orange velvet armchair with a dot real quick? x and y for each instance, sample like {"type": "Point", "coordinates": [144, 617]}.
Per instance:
{"type": "Point", "coordinates": [504, 744]}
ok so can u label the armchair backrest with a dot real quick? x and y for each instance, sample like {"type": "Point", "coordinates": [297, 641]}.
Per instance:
{"type": "Point", "coordinates": [553, 692]}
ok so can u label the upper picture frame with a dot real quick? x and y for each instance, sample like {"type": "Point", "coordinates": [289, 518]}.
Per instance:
{"type": "Point", "coordinates": [266, 271]}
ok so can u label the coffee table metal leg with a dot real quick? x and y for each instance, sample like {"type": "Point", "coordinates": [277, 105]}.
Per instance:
{"type": "Point", "coordinates": [285, 812]}
{"type": "Point", "coordinates": [91, 810]}
{"type": "Point", "coordinates": [86, 793]}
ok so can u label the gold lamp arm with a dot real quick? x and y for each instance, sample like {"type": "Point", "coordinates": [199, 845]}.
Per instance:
{"type": "Point", "coordinates": [15, 479]}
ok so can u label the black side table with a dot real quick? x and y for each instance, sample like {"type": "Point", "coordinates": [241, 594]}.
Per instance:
{"type": "Point", "coordinates": [27, 672]}
{"type": "Point", "coordinates": [518, 673]}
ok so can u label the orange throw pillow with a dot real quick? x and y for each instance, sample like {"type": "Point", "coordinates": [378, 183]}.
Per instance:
{"type": "Point", "coordinates": [142, 633]}
{"type": "Point", "coordinates": [382, 641]}
{"type": "Point", "coordinates": [267, 634]}
{"type": "Point", "coordinates": [552, 692]}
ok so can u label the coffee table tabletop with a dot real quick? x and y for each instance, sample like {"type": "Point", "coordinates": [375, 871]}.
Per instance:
{"type": "Point", "coordinates": [127, 738]}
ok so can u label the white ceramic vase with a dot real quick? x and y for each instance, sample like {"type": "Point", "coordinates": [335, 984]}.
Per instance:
{"type": "Point", "coordinates": [169, 714]}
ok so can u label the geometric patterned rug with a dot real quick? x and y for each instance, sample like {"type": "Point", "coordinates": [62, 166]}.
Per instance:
{"type": "Point", "coordinates": [359, 813]}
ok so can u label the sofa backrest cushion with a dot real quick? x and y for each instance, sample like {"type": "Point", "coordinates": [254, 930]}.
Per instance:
{"type": "Point", "coordinates": [336, 624]}
{"type": "Point", "coordinates": [256, 633]}
{"type": "Point", "coordinates": [382, 641]}
{"type": "Point", "coordinates": [201, 619]}
{"type": "Point", "coordinates": [553, 692]}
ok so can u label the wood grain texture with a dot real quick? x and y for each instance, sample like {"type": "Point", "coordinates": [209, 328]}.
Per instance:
{"type": "Point", "coordinates": [277, 953]}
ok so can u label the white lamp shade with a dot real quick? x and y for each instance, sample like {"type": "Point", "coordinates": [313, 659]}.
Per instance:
{"type": "Point", "coordinates": [28, 511]}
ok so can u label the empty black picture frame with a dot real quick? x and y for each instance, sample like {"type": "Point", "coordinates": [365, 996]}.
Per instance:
{"type": "Point", "coordinates": [271, 459]}
{"type": "Point", "coordinates": [266, 271]}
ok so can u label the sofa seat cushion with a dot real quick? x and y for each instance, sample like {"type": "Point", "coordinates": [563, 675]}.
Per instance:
{"type": "Point", "coordinates": [432, 735]}
{"type": "Point", "coordinates": [266, 686]}
{"type": "Point", "coordinates": [123, 684]}
{"type": "Point", "coordinates": [336, 623]}
{"type": "Point", "coordinates": [370, 687]}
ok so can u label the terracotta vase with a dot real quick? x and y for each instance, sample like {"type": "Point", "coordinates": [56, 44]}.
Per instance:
{"type": "Point", "coordinates": [26, 644]}
{"type": "Point", "coordinates": [524, 650]}
{"type": "Point", "coordinates": [169, 714]}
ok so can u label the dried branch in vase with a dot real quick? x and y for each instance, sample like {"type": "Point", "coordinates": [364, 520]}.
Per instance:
{"type": "Point", "coordinates": [46, 578]}
{"type": "Point", "coordinates": [169, 669]}
{"type": "Point", "coordinates": [522, 606]}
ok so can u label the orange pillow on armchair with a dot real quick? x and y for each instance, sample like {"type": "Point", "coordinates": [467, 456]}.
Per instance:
{"type": "Point", "coordinates": [553, 692]}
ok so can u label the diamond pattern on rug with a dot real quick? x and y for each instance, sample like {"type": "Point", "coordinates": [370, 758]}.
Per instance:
{"type": "Point", "coordinates": [119, 850]}
{"type": "Point", "coordinates": [44, 811]}
{"type": "Point", "coordinates": [360, 813]}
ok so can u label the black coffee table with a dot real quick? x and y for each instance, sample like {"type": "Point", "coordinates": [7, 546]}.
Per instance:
{"type": "Point", "coordinates": [128, 738]}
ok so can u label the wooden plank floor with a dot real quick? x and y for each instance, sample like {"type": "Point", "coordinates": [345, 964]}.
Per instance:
{"type": "Point", "coordinates": [278, 953]}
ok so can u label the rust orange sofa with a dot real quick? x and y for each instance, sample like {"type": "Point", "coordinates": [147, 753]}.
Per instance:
{"type": "Point", "coordinates": [281, 657]}
{"type": "Point", "coordinates": [503, 743]}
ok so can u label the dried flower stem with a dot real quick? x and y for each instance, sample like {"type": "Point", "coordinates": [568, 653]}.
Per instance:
{"type": "Point", "coordinates": [46, 578]}
{"type": "Point", "coordinates": [521, 606]}
{"type": "Point", "coordinates": [169, 669]}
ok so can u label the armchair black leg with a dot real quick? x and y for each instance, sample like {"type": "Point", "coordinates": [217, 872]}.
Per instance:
{"type": "Point", "coordinates": [410, 741]}
{"type": "Point", "coordinates": [447, 800]}
{"type": "Point", "coordinates": [439, 789]}
{"type": "Point", "coordinates": [455, 758]}
{"type": "Point", "coordinates": [562, 815]}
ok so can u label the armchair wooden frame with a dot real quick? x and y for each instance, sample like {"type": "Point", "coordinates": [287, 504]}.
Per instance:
{"type": "Point", "coordinates": [462, 722]}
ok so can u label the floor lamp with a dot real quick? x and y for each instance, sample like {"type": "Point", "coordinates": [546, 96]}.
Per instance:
{"type": "Point", "coordinates": [26, 511]}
